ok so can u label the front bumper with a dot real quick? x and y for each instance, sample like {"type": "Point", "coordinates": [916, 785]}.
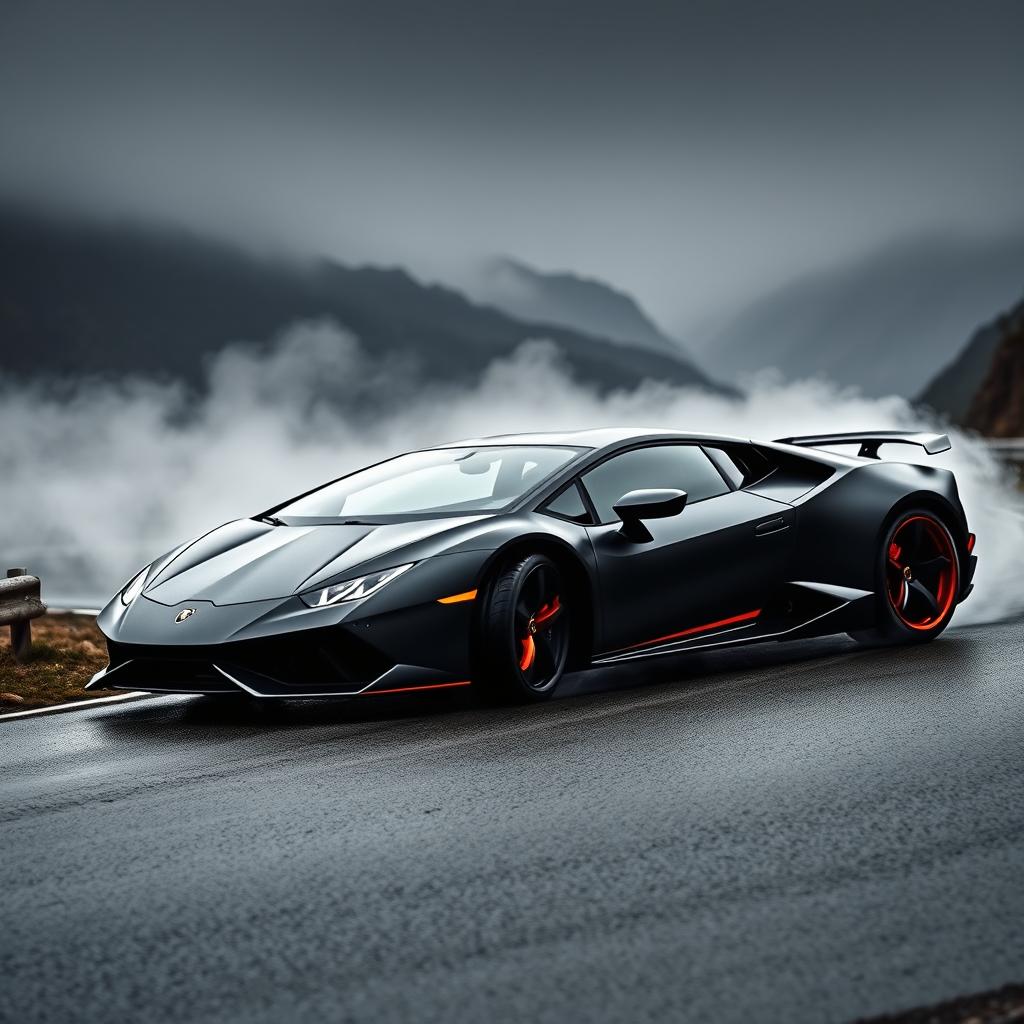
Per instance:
{"type": "Point", "coordinates": [212, 677]}
{"type": "Point", "coordinates": [279, 649]}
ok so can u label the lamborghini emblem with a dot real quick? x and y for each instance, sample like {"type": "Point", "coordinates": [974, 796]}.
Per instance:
{"type": "Point", "coordinates": [185, 613]}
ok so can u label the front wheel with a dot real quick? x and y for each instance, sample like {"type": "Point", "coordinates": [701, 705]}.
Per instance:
{"type": "Point", "coordinates": [919, 579]}
{"type": "Point", "coordinates": [524, 631]}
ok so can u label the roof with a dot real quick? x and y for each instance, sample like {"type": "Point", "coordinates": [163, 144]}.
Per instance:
{"type": "Point", "coordinates": [601, 437]}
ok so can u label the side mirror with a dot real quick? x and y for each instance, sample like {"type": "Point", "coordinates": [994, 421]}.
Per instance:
{"type": "Point", "coordinates": [636, 506]}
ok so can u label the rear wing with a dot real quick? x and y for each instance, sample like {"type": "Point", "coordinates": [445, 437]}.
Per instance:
{"type": "Point", "coordinates": [871, 440]}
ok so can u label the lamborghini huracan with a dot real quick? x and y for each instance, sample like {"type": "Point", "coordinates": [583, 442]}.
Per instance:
{"type": "Point", "coordinates": [502, 562]}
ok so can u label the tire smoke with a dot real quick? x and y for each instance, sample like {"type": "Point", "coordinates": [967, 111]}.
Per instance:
{"type": "Point", "coordinates": [101, 477]}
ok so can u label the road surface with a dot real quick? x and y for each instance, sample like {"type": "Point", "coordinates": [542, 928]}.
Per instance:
{"type": "Point", "coordinates": [798, 832]}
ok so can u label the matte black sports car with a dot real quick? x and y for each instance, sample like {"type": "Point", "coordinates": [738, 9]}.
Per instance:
{"type": "Point", "coordinates": [503, 561]}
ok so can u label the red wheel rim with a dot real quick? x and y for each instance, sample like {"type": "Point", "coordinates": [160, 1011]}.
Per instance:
{"type": "Point", "coordinates": [921, 572]}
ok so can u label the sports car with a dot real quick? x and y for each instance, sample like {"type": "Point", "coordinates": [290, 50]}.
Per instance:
{"type": "Point", "coordinates": [502, 562]}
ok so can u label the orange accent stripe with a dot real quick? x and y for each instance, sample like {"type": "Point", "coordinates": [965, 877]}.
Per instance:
{"type": "Point", "coordinates": [971, 539]}
{"type": "Point", "coordinates": [745, 617]}
{"type": "Point", "coordinates": [410, 689]}
{"type": "Point", "coordinates": [467, 595]}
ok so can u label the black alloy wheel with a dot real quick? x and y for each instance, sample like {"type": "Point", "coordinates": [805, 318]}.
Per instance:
{"type": "Point", "coordinates": [524, 632]}
{"type": "Point", "coordinates": [919, 580]}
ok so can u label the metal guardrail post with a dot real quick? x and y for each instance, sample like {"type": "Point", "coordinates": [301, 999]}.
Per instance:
{"type": "Point", "coordinates": [21, 632]}
{"type": "Point", "coordinates": [1007, 449]}
{"type": "Point", "coordinates": [19, 604]}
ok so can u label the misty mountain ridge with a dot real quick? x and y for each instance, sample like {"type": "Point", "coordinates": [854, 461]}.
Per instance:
{"type": "Point", "coordinates": [997, 408]}
{"type": "Point", "coordinates": [82, 298]}
{"type": "Point", "coordinates": [952, 390]}
{"type": "Point", "coordinates": [983, 388]}
{"type": "Point", "coordinates": [886, 323]}
{"type": "Point", "coordinates": [569, 300]}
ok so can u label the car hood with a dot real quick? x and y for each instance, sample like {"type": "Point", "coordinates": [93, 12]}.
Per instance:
{"type": "Point", "coordinates": [249, 560]}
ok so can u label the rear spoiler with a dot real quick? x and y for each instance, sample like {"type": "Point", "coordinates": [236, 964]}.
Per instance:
{"type": "Point", "coordinates": [871, 440]}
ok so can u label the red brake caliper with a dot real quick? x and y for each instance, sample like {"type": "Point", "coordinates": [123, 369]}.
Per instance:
{"type": "Point", "coordinates": [529, 652]}
{"type": "Point", "coordinates": [547, 611]}
{"type": "Point", "coordinates": [894, 556]}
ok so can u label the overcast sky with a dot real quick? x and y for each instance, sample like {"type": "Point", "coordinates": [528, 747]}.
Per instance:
{"type": "Point", "coordinates": [692, 153]}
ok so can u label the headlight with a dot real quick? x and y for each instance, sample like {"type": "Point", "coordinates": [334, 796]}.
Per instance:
{"type": "Point", "coordinates": [133, 587]}
{"type": "Point", "coordinates": [353, 590]}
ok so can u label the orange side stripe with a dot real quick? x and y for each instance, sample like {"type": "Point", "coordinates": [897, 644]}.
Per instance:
{"type": "Point", "coordinates": [467, 595]}
{"type": "Point", "coordinates": [745, 617]}
{"type": "Point", "coordinates": [410, 689]}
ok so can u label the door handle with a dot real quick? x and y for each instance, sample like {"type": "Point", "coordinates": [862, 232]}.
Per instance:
{"type": "Point", "coordinates": [771, 526]}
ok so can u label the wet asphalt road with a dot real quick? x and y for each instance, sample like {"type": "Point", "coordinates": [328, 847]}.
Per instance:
{"type": "Point", "coordinates": [793, 833]}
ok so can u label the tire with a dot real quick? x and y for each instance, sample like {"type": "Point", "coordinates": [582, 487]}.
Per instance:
{"type": "Point", "coordinates": [523, 632]}
{"type": "Point", "coordinates": [918, 580]}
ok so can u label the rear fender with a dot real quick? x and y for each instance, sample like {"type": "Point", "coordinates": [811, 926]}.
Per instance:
{"type": "Point", "coordinates": [841, 526]}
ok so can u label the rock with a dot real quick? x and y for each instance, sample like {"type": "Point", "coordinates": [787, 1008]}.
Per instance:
{"type": "Point", "coordinates": [11, 698]}
{"type": "Point", "coordinates": [997, 409]}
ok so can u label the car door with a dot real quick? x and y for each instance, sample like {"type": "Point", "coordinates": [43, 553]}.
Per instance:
{"type": "Point", "coordinates": [716, 562]}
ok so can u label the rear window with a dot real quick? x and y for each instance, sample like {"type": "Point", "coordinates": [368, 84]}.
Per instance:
{"type": "Point", "coordinates": [742, 464]}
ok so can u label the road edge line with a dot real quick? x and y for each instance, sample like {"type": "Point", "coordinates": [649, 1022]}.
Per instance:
{"type": "Point", "coordinates": [75, 705]}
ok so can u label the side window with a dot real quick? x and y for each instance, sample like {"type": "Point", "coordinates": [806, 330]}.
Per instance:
{"type": "Point", "coordinates": [684, 467]}
{"type": "Point", "coordinates": [569, 504]}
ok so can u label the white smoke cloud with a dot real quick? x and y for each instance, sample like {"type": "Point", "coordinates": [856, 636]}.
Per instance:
{"type": "Point", "coordinates": [98, 483]}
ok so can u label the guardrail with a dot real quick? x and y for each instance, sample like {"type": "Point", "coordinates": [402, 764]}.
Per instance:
{"type": "Point", "coordinates": [20, 603]}
{"type": "Point", "coordinates": [1008, 449]}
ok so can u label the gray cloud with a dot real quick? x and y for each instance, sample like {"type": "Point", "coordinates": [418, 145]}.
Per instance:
{"type": "Point", "coordinates": [693, 153]}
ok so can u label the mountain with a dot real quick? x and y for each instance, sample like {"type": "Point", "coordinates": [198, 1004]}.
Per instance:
{"type": "Point", "coordinates": [581, 303]}
{"type": "Point", "coordinates": [85, 298]}
{"type": "Point", "coordinates": [992, 367]}
{"type": "Point", "coordinates": [953, 389]}
{"type": "Point", "coordinates": [884, 323]}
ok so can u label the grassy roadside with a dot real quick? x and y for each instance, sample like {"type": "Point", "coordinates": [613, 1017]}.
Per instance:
{"type": "Point", "coordinates": [66, 651]}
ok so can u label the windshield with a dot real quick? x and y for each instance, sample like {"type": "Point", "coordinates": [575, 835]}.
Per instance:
{"type": "Point", "coordinates": [443, 480]}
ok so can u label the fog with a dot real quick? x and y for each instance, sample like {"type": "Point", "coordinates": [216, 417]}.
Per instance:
{"type": "Point", "coordinates": [106, 476]}
{"type": "Point", "coordinates": [694, 153]}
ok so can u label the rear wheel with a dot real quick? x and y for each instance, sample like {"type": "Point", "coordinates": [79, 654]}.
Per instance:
{"type": "Point", "coordinates": [919, 579]}
{"type": "Point", "coordinates": [524, 631]}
